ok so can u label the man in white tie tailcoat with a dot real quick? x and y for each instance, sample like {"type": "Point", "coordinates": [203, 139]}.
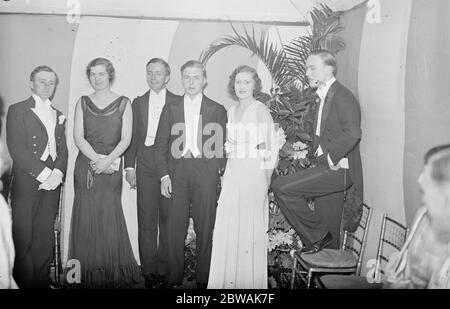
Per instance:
{"type": "Point", "coordinates": [189, 154]}
{"type": "Point", "coordinates": [36, 141]}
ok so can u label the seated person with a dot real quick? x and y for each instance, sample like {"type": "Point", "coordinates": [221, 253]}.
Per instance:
{"type": "Point", "coordinates": [424, 261]}
{"type": "Point", "coordinates": [6, 243]}
{"type": "Point", "coordinates": [6, 248]}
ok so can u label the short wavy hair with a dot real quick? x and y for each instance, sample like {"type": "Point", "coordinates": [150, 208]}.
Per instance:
{"type": "Point", "coordinates": [194, 64]}
{"type": "Point", "coordinates": [108, 66]}
{"type": "Point", "coordinates": [439, 158]}
{"type": "Point", "coordinates": [247, 69]}
{"type": "Point", "coordinates": [327, 57]}
{"type": "Point", "coordinates": [160, 61]}
{"type": "Point", "coordinates": [43, 68]}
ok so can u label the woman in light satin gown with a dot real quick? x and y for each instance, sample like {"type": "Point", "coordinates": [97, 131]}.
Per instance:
{"type": "Point", "coordinates": [239, 252]}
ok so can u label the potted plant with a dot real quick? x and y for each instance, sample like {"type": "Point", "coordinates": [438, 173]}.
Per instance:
{"type": "Point", "coordinates": [292, 104]}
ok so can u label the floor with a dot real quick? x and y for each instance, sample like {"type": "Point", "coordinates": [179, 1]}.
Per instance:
{"type": "Point", "coordinates": [279, 277]}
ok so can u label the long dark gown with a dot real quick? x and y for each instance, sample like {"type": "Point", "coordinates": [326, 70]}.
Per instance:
{"type": "Point", "coordinates": [99, 237]}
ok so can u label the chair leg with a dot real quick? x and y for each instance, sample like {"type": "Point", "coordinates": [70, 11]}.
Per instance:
{"type": "Point", "coordinates": [57, 257]}
{"type": "Point", "coordinates": [309, 279]}
{"type": "Point", "coordinates": [294, 269]}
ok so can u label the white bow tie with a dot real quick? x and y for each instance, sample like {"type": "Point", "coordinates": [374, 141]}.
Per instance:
{"type": "Point", "coordinates": [320, 94]}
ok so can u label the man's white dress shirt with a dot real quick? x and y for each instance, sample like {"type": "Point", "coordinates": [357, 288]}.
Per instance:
{"type": "Point", "coordinates": [191, 120]}
{"type": "Point", "coordinates": [322, 93]}
{"type": "Point", "coordinates": [156, 103]}
{"type": "Point", "coordinates": [47, 115]}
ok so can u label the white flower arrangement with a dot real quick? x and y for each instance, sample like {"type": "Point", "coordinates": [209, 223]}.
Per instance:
{"type": "Point", "coordinates": [278, 238]}
{"type": "Point", "coordinates": [300, 150]}
{"type": "Point", "coordinates": [281, 137]}
{"type": "Point", "coordinates": [300, 154]}
{"type": "Point", "coordinates": [299, 146]}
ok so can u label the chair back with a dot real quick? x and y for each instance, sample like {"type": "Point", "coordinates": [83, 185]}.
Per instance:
{"type": "Point", "coordinates": [392, 237]}
{"type": "Point", "coordinates": [356, 241]}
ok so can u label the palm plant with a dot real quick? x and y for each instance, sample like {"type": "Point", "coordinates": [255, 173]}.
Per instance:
{"type": "Point", "coordinates": [267, 52]}
{"type": "Point", "coordinates": [292, 105]}
{"type": "Point", "coordinates": [291, 98]}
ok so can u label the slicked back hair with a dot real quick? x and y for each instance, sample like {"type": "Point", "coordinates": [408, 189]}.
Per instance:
{"type": "Point", "coordinates": [160, 61]}
{"type": "Point", "coordinates": [439, 158]}
{"type": "Point", "coordinates": [43, 68]}
{"type": "Point", "coordinates": [327, 57]}
{"type": "Point", "coordinates": [193, 64]}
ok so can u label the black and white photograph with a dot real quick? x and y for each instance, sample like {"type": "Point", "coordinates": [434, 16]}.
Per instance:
{"type": "Point", "coordinates": [224, 151]}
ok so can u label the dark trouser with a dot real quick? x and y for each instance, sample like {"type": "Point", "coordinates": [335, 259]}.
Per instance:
{"type": "Point", "coordinates": [193, 183]}
{"type": "Point", "coordinates": [329, 209]}
{"type": "Point", "coordinates": [152, 217]}
{"type": "Point", "coordinates": [33, 215]}
{"type": "Point", "coordinates": [323, 184]}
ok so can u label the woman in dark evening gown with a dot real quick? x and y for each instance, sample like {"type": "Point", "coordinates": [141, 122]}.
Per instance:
{"type": "Point", "coordinates": [99, 237]}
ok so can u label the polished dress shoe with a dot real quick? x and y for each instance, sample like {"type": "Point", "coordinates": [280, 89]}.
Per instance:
{"type": "Point", "coordinates": [154, 281]}
{"type": "Point", "coordinates": [172, 285]}
{"type": "Point", "coordinates": [318, 245]}
{"type": "Point", "coordinates": [161, 282]}
{"type": "Point", "coordinates": [150, 282]}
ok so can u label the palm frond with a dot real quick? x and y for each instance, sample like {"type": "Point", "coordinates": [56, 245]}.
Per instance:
{"type": "Point", "coordinates": [326, 25]}
{"type": "Point", "coordinates": [267, 52]}
{"type": "Point", "coordinates": [297, 52]}
{"type": "Point", "coordinates": [287, 65]}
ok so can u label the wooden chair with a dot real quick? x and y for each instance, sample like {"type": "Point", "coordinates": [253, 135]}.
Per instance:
{"type": "Point", "coordinates": [392, 237]}
{"type": "Point", "coordinates": [55, 265]}
{"type": "Point", "coordinates": [346, 260]}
